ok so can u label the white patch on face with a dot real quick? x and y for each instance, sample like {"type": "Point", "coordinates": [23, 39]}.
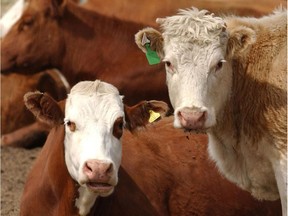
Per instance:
{"type": "Point", "coordinates": [94, 115]}
{"type": "Point", "coordinates": [195, 82]}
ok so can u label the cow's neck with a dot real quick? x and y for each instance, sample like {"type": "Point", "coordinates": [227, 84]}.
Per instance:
{"type": "Point", "coordinates": [234, 142]}
{"type": "Point", "coordinates": [85, 200]}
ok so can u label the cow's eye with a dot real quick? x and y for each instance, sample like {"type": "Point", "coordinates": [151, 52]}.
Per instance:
{"type": "Point", "coordinates": [118, 128]}
{"type": "Point", "coordinates": [219, 65]}
{"type": "Point", "coordinates": [25, 23]}
{"type": "Point", "coordinates": [71, 125]}
{"type": "Point", "coordinates": [168, 63]}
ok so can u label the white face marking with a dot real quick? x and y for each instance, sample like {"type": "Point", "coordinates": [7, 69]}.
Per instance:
{"type": "Point", "coordinates": [93, 113]}
{"type": "Point", "coordinates": [198, 76]}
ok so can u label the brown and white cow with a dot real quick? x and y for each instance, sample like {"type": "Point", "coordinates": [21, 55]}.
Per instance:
{"type": "Point", "coordinates": [82, 154]}
{"type": "Point", "coordinates": [228, 76]}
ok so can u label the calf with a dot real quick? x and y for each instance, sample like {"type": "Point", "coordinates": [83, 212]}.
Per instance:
{"type": "Point", "coordinates": [81, 157]}
{"type": "Point", "coordinates": [227, 76]}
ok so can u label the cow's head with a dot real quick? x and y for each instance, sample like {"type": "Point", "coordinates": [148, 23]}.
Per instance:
{"type": "Point", "coordinates": [34, 41]}
{"type": "Point", "coordinates": [197, 48]}
{"type": "Point", "coordinates": [94, 119]}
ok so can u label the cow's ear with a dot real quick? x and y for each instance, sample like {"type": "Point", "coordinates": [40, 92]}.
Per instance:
{"type": "Point", "coordinates": [155, 38]}
{"type": "Point", "coordinates": [241, 38]}
{"type": "Point", "coordinates": [44, 108]}
{"type": "Point", "coordinates": [144, 113]}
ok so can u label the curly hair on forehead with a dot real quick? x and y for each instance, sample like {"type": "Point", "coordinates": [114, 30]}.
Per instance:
{"type": "Point", "coordinates": [193, 25]}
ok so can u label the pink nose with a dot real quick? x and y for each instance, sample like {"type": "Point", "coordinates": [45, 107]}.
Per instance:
{"type": "Point", "coordinates": [97, 170]}
{"type": "Point", "coordinates": [192, 119]}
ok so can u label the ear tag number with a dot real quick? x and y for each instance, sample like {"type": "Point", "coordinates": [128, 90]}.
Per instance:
{"type": "Point", "coordinates": [153, 116]}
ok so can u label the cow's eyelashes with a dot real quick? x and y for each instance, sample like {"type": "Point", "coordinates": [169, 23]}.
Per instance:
{"type": "Point", "coordinates": [71, 125]}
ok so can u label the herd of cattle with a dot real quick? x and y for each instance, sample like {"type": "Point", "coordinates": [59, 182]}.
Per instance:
{"type": "Point", "coordinates": [122, 137]}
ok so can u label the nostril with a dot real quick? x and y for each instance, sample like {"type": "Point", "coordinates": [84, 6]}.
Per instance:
{"type": "Point", "coordinates": [110, 168]}
{"type": "Point", "coordinates": [87, 168]}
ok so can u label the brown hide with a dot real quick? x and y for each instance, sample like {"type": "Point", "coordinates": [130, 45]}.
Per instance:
{"type": "Point", "coordinates": [146, 11]}
{"type": "Point", "coordinates": [84, 45]}
{"type": "Point", "coordinates": [14, 114]}
{"type": "Point", "coordinates": [163, 172]}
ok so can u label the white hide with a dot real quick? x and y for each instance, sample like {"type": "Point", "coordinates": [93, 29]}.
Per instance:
{"type": "Point", "coordinates": [194, 43]}
{"type": "Point", "coordinates": [93, 107]}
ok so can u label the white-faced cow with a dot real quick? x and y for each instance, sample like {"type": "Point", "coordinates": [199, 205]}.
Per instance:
{"type": "Point", "coordinates": [81, 157]}
{"type": "Point", "coordinates": [228, 76]}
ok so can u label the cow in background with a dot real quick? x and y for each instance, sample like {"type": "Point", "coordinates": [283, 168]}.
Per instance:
{"type": "Point", "coordinates": [83, 45]}
{"type": "Point", "coordinates": [147, 11]}
{"type": "Point", "coordinates": [14, 114]}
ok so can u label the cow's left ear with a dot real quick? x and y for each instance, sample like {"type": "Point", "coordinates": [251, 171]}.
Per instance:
{"type": "Point", "coordinates": [155, 38]}
{"type": "Point", "coordinates": [144, 113]}
{"type": "Point", "coordinates": [44, 108]}
{"type": "Point", "coordinates": [241, 39]}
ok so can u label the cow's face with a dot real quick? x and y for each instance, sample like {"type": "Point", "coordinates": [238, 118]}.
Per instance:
{"type": "Point", "coordinates": [196, 49]}
{"type": "Point", "coordinates": [33, 41]}
{"type": "Point", "coordinates": [94, 118]}
{"type": "Point", "coordinates": [93, 129]}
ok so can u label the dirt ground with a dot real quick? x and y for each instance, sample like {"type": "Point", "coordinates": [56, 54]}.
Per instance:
{"type": "Point", "coordinates": [15, 165]}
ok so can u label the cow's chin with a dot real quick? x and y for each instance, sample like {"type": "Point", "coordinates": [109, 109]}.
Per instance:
{"type": "Point", "coordinates": [100, 188]}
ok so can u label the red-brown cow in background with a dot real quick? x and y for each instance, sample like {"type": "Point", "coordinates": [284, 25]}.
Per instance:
{"type": "Point", "coordinates": [146, 11]}
{"type": "Point", "coordinates": [14, 114]}
{"type": "Point", "coordinates": [163, 172]}
{"type": "Point", "coordinates": [84, 45]}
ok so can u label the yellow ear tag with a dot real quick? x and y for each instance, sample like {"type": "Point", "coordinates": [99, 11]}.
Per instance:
{"type": "Point", "coordinates": [153, 116]}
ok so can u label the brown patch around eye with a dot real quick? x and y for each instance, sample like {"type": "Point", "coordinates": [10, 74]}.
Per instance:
{"type": "Point", "coordinates": [71, 125]}
{"type": "Point", "coordinates": [118, 128]}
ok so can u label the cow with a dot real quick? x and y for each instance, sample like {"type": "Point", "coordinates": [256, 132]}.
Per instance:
{"type": "Point", "coordinates": [157, 175]}
{"type": "Point", "coordinates": [81, 157]}
{"type": "Point", "coordinates": [149, 10]}
{"type": "Point", "coordinates": [227, 76]}
{"type": "Point", "coordinates": [14, 114]}
{"type": "Point", "coordinates": [83, 45]}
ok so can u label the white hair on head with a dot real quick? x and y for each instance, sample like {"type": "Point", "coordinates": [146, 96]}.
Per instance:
{"type": "Point", "coordinates": [94, 87]}
{"type": "Point", "coordinates": [193, 25]}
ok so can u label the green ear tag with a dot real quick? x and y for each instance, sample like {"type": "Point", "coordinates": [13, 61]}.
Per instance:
{"type": "Point", "coordinates": [151, 55]}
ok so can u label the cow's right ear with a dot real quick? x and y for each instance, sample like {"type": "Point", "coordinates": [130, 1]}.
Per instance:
{"type": "Point", "coordinates": [144, 113]}
{"type": "Point", "coordinates": [155, 38]}
{"type": "Point", "coordinates": [44, 108]}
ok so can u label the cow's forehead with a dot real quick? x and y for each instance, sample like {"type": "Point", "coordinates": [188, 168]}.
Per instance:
{"type": "Point", "coordinates": [193, 26]}
{"type": "Point", "coordinates": [94, 100]}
